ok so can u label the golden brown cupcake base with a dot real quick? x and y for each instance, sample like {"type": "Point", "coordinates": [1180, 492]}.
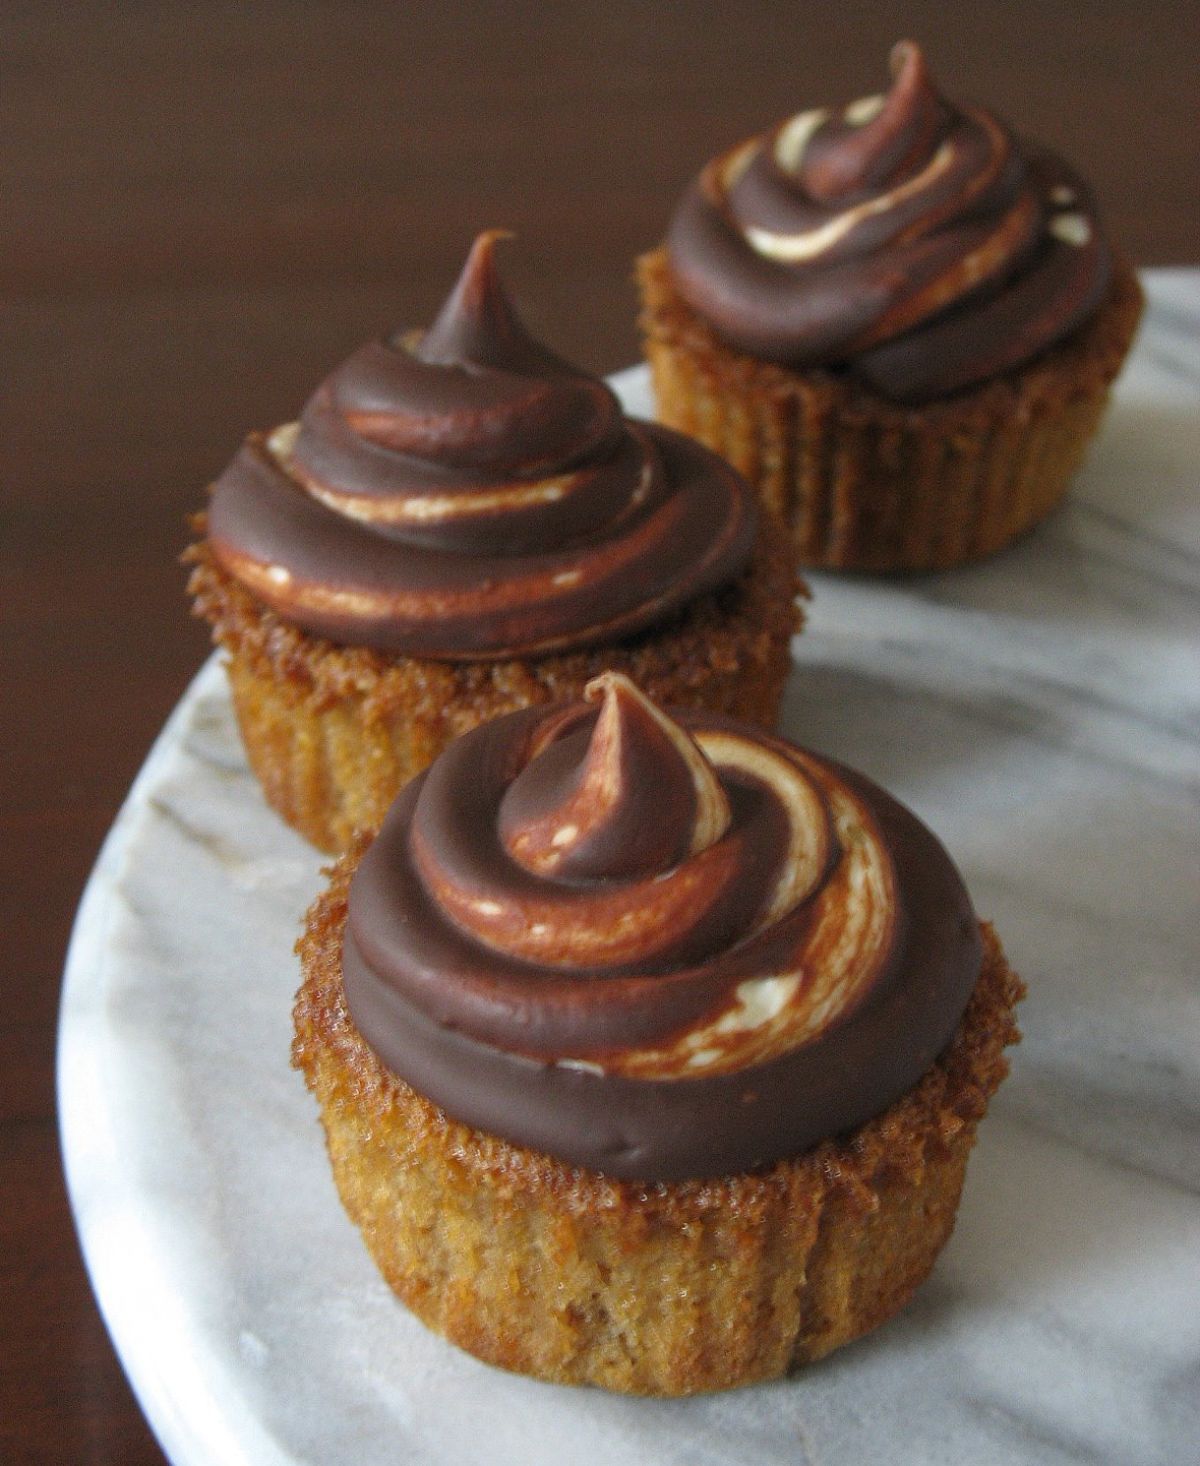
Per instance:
{"type": "Point", "coordinates": [333, 733]}
{"type": "Point", "coordinates": [656, 1288]}
{"type": "Point", "coordinates": [868, 484]}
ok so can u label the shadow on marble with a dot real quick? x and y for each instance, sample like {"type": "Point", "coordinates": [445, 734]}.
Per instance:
{"type": "Point", "coordinates": [902, 734]}
{"type": "Point", "coordinates": [1139, 456]}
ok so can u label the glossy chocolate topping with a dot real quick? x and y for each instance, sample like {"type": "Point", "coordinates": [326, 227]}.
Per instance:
{"type": "Point", "coordinates": [656, 948]}
{"type": "Point", "coordinates": [922, 245]}
{"type": "Point", "coordinates": [465, 493]}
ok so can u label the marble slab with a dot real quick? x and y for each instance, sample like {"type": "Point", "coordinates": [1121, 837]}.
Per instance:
{"type": "Point", "coordinates": [1042, 713]}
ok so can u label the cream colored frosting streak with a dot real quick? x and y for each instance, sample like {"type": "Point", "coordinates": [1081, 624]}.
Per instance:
{"type": "Point", "coordinates": [841, 236]}
{"type": "Point", "coordinates": [465, 493]}
{"type": "Point", "coordinates": [656, 945]}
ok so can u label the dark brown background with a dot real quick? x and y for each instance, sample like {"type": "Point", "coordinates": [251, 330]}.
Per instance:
{"type": "Point", "coordinates": [204, 207]}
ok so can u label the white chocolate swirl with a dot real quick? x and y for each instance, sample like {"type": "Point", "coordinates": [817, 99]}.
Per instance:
{"type": "Point", "coordinates": [923, 245]}
{"type": "Point", "coordinates": [736, 883]}
{"type": "Point", "coordinates": [463, 493]}
{"type": "Point", "coordinates": [659, 946]}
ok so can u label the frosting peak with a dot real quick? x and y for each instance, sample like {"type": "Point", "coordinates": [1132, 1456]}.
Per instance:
{"type": "Point", "coordinates": [583, 818]}
{"type": "Point", "coordinates": [912, 241]}
{"type": "Point", "coordinates": [478, 327]}
{"type": "Point", "coordinates": [659, 945]}
{"type": "Point", "coordinates": [465, 493]}
{"type": "Point", "coordinates": [877, 138]}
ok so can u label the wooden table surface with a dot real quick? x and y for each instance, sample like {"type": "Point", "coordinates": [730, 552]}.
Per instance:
{"type": "Point", "coordinates": [205, 207]}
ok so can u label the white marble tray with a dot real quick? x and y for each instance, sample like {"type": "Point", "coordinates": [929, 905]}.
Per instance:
{"type": "Point", "coordinates": [1041, 712]}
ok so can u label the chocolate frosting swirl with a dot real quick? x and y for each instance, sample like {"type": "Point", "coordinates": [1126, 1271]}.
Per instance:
{"type": "Point", "coordinates": [465, 493]}
{"type": "Point", "coordinates": [656, 948]}
{"type": "Point", "coordinates": [920, 244]}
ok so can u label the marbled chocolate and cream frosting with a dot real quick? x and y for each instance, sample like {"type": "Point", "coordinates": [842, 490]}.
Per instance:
{"type": "Point", "coordinates": [464, 493]}
{"type": "Point", "coordinates": [920, 243]}
{"type": "Point", "coordinates": [654, 946]}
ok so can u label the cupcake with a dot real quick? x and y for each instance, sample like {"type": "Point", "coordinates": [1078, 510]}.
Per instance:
{"type": "Point", "coordinates": [899, 320]}
{"type": "Point", "coordinates": [460, 525]}
{"type": "Point", "coordinates": [649, 1048]}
